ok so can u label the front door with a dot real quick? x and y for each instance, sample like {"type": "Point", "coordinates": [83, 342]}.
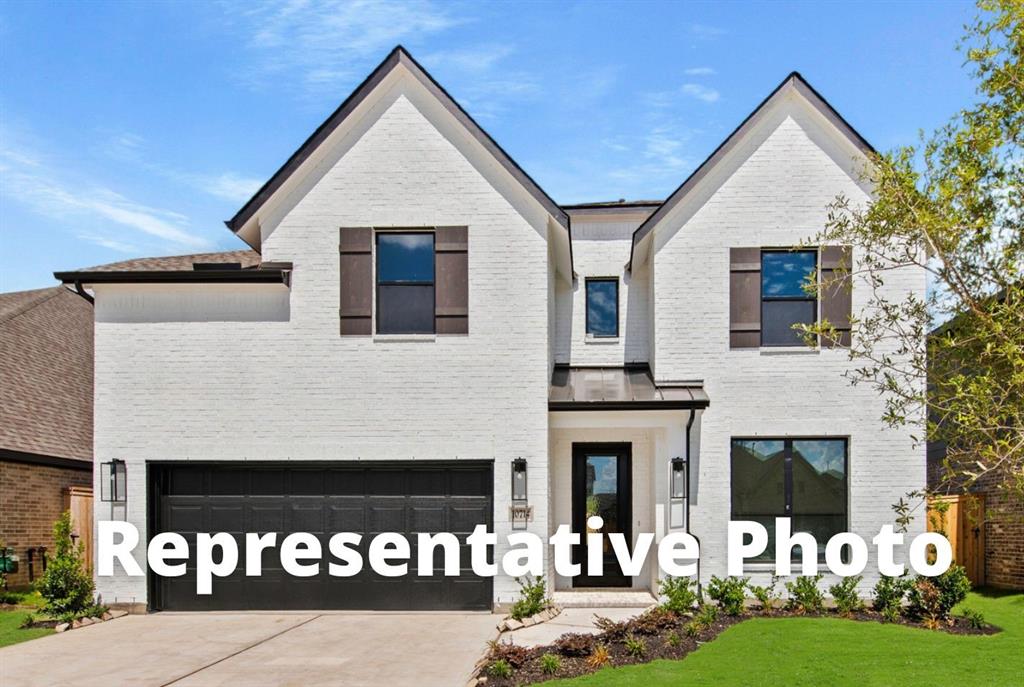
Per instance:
{"type": "Point", "coordinates": [602, 485]}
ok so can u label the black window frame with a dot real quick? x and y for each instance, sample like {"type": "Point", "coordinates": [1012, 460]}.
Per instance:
{"type": "Point", "coordinates": [377, 282]}
{"type": "Point", "coordinates": [586, 306]}
{"type": "Point", "coordinates": [787, 477]}
{"type": "Point", "coordinates": [792, 299]}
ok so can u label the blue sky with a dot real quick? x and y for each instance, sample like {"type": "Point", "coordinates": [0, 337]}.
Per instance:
{"type": "Point", "coordinates": [130, 129]}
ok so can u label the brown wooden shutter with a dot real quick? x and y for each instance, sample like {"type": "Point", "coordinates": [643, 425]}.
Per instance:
{"type": "Point", "coordinates": [356, 248]}
{"type": "Point", "coordinates": [836, 299]}
{"type": "Point", "coordinates": [744, 297]}
{"type": "Point", "coordinates": [451, 304]}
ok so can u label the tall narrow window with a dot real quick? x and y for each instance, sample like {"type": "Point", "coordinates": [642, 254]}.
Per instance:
{"type": "Point", "coordinates": [603, 307]}
{"type": "Point", "coordinates": [803, 479]}
{"type": "Point", "coordinates": [784, 300]}
{"type": "Point", "coordinates": [405, 283]}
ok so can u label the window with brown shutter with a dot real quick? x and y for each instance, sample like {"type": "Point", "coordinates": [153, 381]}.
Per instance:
{"type": "Point", "coordinates": [744, 297]}
{"type": "Point", "coordinates": [767, 296]}
{"type": "Point", "coordinates": [418, 279]}
{"type": "Point", "coordinates": [356, 248]}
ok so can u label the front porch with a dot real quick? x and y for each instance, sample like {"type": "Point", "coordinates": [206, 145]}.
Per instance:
{"type": "Point", "coordinates": [613, 434]}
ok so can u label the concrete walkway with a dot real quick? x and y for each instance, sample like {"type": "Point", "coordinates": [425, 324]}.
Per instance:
{"type": "Point", "coordinates": [189, 650]}
{"type": "Point", "coordinates": [578, 620]}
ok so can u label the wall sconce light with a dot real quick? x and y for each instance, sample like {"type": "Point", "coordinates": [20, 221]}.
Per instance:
{"type": "Point", "coordinates": [677, 492]}
{"type": "Point", "coordinates": [519, 480]}
{"type": "Point", "coordinates": [113, 487]}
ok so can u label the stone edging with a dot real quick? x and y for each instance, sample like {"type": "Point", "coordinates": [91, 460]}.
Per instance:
{"type": "Point", "coordinates": [510, 624]}
{"type": "Point", "coordinates": [85, 622]}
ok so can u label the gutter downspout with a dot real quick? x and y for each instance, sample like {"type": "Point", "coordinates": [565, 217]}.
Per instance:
{"type": "Point", "coordinates": [689, 425]}
{"type": "Point", "coordinates": [83, 293]}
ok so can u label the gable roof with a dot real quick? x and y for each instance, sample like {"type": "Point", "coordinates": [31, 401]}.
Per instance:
{"type": "Point", "coordinates": [235, 266]}
{"type": "Point", "coordinates": [46, 364]}
{"type": "Point", "coordinates": [793, 82]}
{"type": "Point", "coordinates": [398, 56]}
{"type": "Point", "coordinates": [245, 258]}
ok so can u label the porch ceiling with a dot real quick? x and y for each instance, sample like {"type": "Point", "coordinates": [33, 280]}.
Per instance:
{"type": "Point", "coordinates": [619, 388]}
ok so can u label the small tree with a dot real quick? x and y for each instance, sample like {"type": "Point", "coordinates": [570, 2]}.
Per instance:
{"type": "Point", "coordinates": [66, 585]}
{"type": "Point", "coordinates": [953, 208]}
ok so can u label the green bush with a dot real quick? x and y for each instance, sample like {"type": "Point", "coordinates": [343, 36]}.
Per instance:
{"type": "Point", "coordinates": [66, 585]}
{"type": "Point", "coordinates": [767, 596]}
{"type": "Point", "coordinates": [845, 595]}
{"type": "Point", "coordinates": [951, 588]}
{"type": "Point", "coordinates": [804, 595]}
{"type": "Point", "coordinates": [550, 663]}
{"type": "Point", "coordinates": [706, 615]}
{"type": "Point", "coordinates": [728, 593]}
{"type": "Point", "coordinates": [680, 594]}
{"type": "Point", "coordinates": [673, 639]}
{"type": "Point", "coordinates": [889, 595]}
{"type": "Point", "coordinates": [974, 618]}
{"type": "Point", "coordinates": [533, 598]}
{"type": "Point", "coordinates": [500, 668]}
{"type": "Point", "coordinates": [635, 646]}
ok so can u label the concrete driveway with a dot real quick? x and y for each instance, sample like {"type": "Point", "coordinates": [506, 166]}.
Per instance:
{"type": "Point", "coordinates": [189, 650]}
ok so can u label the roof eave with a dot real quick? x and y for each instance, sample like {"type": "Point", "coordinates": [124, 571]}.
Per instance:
{"type": "Point", "coordinates": [253, 276]}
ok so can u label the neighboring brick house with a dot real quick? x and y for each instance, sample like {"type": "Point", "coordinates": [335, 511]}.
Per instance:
{"type": "Point", "coordinates": [46, 385]}
{"type": "Point", "coordinates": [419, 324]}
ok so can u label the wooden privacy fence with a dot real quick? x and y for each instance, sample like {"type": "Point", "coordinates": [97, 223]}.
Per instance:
{"type": "Point", "coordinates": [78, 500]}
{"type": "Point", "coordinates": [962, 519]}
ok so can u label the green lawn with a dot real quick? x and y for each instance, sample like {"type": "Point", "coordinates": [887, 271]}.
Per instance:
{"type": "Point", "coordinates": [827, 651]}
{"type": "Point", "coordinates": [10, 624]}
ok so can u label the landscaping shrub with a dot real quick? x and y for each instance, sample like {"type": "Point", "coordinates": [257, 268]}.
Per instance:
{"type": "Point", "coordinates": [693, 628]}
{"type": "Point", "coordinates": [635, 646]}
{"type": "Point", "coordinates": [679, 596]}
{"type": "Point", "coordinates": [935, 597]}
{"type": "Point", "coordinates": [804, 595]}
{"type": "Point", "coordinates": [573, 644]}
{"type": "Point", "coordinates": [653, 621]}
{"type": "Point", "coordinates": [845, 595]}
{"type": "Point", "coordinates": [10, 597]}
{"type": "Point", "coordinates": [889, 595]}
{"type": "Point", "coordinates": [728, 593]}
{"type": "Point", "coordinates": [767, 596]}
{"type": "Point", "coordinates": [706, 615]}
{"type": "Point", "coordinates": [500, 668]}
{"type": "Point", "coordinates": [599, 657]}
{"type": "Point", "coordinates": [673, 639]}
{"type": "Point", "coordinates": [66, 585]}
{"type": "Point", "coordinates": [974, 618]}
{"type": "Point", "coordinates": [512, 654]}
{"type": "Point", "coordinates": [550, 663]}
{"type": "Point", "coordinates": [533, 598]}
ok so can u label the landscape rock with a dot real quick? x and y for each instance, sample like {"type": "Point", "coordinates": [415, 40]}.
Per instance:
{"type": "Point", "coordinates": [513, 624]}
{"type": "Point", "coordinates": [118, 614]}
{"type": "Point", "coordinates": [85, 621]}
{"type": "Point", "coordinates": [106, 616]}
{"type": "Point", "coordinates": [62, 627]}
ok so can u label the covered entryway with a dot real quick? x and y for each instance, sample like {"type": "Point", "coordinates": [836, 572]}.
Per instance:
{"type": "Point", "coordinates": [322, 499]}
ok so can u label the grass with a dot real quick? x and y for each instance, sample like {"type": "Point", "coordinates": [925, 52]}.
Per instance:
{"type": "Point", "coordinates": [832, 651]}
{"type": "Point", "coordinates": [10, 623]}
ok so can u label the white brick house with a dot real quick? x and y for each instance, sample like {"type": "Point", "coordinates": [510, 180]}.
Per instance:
{"type": "Point", "coordinates": [414, 316]}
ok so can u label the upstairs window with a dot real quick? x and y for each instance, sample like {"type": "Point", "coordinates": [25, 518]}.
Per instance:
{"type": "Point", "coordinates": [405, 283]}
{"type": "Point", "coordinates": [603, 307]}
{"type": "Point", "coordinates": [784, 300]}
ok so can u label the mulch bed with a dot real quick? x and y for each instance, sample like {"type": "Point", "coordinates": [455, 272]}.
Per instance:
{"type": "Point", "coordinates": [526, 663]}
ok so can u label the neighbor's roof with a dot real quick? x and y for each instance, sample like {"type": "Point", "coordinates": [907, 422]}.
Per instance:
{"type": "Point", "coordinates": [46, 368]}
{"type": "Point", "coordinates": [619, 388]}
{"type": "Point", "coordinates": [247, 258]}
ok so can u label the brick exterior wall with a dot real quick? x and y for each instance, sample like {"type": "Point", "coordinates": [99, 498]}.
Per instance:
{"type": "Point", "coordinates": [1004, 542]}
{"type": "Point", "coordinates": [31, 500]}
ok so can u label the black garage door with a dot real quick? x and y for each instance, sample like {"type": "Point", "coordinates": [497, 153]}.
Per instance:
{"type": "Point", "coordinates": [322, 499]}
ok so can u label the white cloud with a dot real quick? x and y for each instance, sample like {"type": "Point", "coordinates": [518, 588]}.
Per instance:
{"type": "Point", "coordinates": [705, 31]}
{"type": "Point", "coordinates": [42, 190]}
{"type": "Point", "coordinates": [476, 59]}
{"type": "Point", "coordinates": [230, 186]}
{"type": "Point", "coordinates": [699, 71]}
{"type": "Point", "coordinates": [112, 244]}
{"type": "Point", "coordinates": [708, 95]}
{"type": "Point", "coordinates": [324, 43]}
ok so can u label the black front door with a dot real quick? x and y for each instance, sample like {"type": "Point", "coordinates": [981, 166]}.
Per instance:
{"type": "Point", "coordinates": [602, 485]}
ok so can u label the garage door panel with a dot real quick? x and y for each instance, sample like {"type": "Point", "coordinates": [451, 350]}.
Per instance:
{"type": "Point", "coordinates": [323, 500]}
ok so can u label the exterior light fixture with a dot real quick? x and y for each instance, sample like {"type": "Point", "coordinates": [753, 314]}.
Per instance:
{"type": "Point", "coordinates": [519, 480]}
{"type": "Point", "coordinates": [113, 487]}
{"type": "Point", "coordinates": [678, 492]}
